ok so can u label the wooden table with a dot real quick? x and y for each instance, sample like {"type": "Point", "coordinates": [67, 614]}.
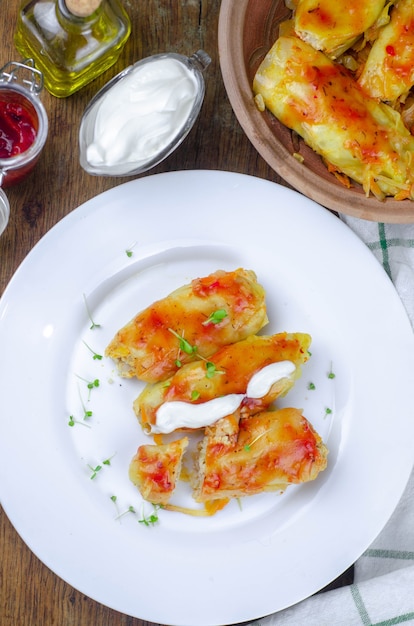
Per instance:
{"type": "Point", "coordinates": [30, 594]}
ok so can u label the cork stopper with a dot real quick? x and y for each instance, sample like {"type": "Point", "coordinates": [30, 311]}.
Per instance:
{"type": "Point", "coordinates": [82, 8]}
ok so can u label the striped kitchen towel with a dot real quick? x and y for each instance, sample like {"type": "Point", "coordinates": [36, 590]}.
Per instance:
{"type": "Point", "coordinates": [382, 593]}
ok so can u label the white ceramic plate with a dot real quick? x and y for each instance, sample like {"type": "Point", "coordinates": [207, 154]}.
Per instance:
{"type": "Point", "coordinates": [274, 550]}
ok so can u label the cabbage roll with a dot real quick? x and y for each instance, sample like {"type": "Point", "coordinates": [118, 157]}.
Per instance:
{"type": "Point", "coordinates": [354, 134]}
{"type": "Point", "coordinates": [330, 26]}
{"type": "Point", "coordinates": [273, 450]}
{"type": "Point", "coordinates": [227, 373]}
{"type": "Point", "coordinates": [155, 470]}
{"type": "Point", "coordinates": [388, 73]}
{"type": "Point", "coordinates": [192, 322]}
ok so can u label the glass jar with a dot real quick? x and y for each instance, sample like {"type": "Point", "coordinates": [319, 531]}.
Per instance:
{"type": "Point", "coordinates": [71, 50]}
{"type": "Point", "coordinates": [23, 121]}
{"type": "Point", "coordinates": [4, 211]}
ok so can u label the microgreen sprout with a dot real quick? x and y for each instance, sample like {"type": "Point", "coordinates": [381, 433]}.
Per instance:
{"type": "Point", "coordinates": [94, 471]}
{"type": "Point", "coordinates": [211, 370]}
{"type": "Point", "coordinates": [72, 422]}
{"type": "Point", "coordinates": [195, 395]}
{"type": "Point", "coordinates": [91, 384]}
{"type": "Point", "coordinates": [87, 413]}
{"type": "Point", "coordinates": [129, 251]}
{"type": "Point", "coordinates": [94, 325]}
{"type": "Point", "coordinates": [130, 509]}
{"type": "Point", "coordinates": [249, 445]}
{"type": "Point", "coordinates": [114, 500]}
{"type": "Point", "coordinates": [150, 520]}
{"type": "Point", "coordinates": [311, 386]}
{"type": "Point", "coordinates": [216, 317]}
{"type": "Point", "coordinates": [184, 345]}
{"type": "Point", "coordinates": [96, 356]}
{"type": "Point", "coordinates": [331, 374]}
{"type": "Point", "coordinates": [98, 467]}
{"type": "Point", "coordinates": [328, 411]}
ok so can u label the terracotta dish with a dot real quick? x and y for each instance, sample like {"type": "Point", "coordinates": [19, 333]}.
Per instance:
{"type": "Point", "coordinates": [247, 30]}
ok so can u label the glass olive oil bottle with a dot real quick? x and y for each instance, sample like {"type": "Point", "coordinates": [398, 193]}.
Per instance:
{"type": "Point", "coordinates": [71, 41]}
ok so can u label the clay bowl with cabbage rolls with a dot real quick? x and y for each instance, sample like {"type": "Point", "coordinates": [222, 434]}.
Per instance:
{"type": "Point", "coordinates": [325, 107]}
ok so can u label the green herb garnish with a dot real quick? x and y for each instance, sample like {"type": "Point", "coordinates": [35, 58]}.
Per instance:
{"type": "Point", "coordinates": [87, 413]}
{"type": "Point", "coordinates": [211, 370]}
{"type": "Point", "coordinates": [94, 471]}
{"type": "Point", "coordinates": [129, 251]}
{"type": "Point", "coordinates": [331, 375]}
{"type": "Point", "coordinates": [98, 468]}
{"type": "Point", "coordinates": [96, 356]}
{"type": "Point", "coordinates": [130, 509]}
{"type": "Point", "coordinates": [311, 386]}
{"type": "Point", "coordinates": [72, 422]}
{"type": "Point", "coordinates": [152, 519]}
{"type": "Point", "coordinates": [184, 345]}
{"type": "Point", "coordinates": [90, 384]}
{"type": "Point", "coordinates": [328, 411]}
{"type": "Point", "coordinates": [248, 446]}
{"type": "Point", "coordinates": [216, 317]}
{"type": "Point", "coordinates": [94, 325]}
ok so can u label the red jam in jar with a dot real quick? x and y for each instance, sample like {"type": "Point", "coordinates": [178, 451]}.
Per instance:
{"type": "Point", "coordinates": [23, 125]}
{"type": "Point", "coordinates": [17, 129]}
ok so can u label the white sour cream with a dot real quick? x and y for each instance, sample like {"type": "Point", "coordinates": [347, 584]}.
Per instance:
{"type": "Point", "coordinates": [140, 115]}
{"type": "Point", "coordinates": [261, 382]}
{"type": "Point", "coordinates": [173, 415]}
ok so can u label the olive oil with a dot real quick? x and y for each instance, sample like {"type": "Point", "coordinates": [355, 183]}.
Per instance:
{"type": "Point", "coordinates": [70, 46]}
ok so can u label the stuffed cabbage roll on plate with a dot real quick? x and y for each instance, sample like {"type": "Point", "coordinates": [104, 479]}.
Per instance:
{"type": "Point", "coordinates": [235, 458]}
{"type": "Point", "coordinates": [249, 374]}
{"type": "Point", "coordinates": [155, 470]}
{"type": "Point", "coordinates": [194, 321]}
{"type": "Point", "coordinates": [273, 450]}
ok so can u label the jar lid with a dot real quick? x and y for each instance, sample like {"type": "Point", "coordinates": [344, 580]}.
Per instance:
{"type": "Point", "coordinates": [24, 73]}
{"type": "Point", "coordinates": [142, 115]}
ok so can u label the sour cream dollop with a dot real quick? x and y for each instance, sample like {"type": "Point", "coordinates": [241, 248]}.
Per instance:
{"type": "Point", "coordinates": [261, 382]}
{"type": "Point", "coordinates": [140, 115]}
{"type": "Point", "coordinates": [176, 414]}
